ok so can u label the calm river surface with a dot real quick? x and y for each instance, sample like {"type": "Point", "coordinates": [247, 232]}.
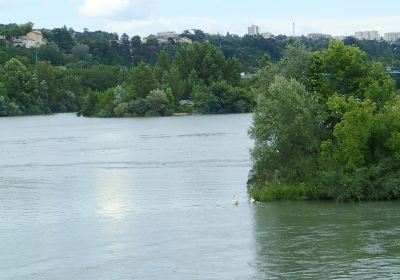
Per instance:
{"type": "Point", "coordinates": [151, 199]}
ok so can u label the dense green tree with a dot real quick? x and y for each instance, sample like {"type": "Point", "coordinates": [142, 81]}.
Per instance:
{"type": "Point", "coordinates": [361, 161]}
{"type": "Point", "coordinates": [287, 133]}
{"type": "Point", "coordinates": [265, 61]}
{"type": "Point", "coordinates": [63, 39]}
{"type": "Point", "coordinates": [335, 137]}
{"type": "Point", "coordinates": [157, 103]}
{"type": "Point", "coordinates": [232, 70]}
{"type": "Point", "coordinates": [136, 42]}
{"type": "Point", "coordinates": [52, 54]}
{"type": "Point", "coordinates": [295, 62]}
{"type": "Point", "coordinates": [205, 59]}
{"type": "Point", "coordinates": [344, 67]}
{"type": "Point", "coordinates": [21, 84]}
{"type": "Point", "coordinates": [81, 52]}
{"type": "Point", "coordinates": [162, 67]}
{"type": "Point", "coordinates": [142, 80]}
{"type": "Point", "coordinates": [195, 35]}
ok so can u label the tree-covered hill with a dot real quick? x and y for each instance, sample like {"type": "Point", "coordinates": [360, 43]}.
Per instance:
{"type": "Point", "coordinates": [75, 67]}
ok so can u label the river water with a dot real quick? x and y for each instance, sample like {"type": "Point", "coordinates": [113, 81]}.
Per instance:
{"type": "Point", "coordinates": [151, 199]}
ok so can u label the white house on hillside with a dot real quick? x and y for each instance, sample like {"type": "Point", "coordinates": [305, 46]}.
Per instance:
{"type": "Point", "coordinates": [33, 39]}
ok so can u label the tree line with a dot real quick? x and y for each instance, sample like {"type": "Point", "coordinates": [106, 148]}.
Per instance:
{"type": "Point", "coordinates": [326, 126]}
{"type": "Point", "coordinates": [79, 71]}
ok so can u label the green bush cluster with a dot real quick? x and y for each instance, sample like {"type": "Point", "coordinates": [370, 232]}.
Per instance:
{"type": "Point", "coordinates": [333, 126]}
{"type": "Point", "coordinates": [199, 72]}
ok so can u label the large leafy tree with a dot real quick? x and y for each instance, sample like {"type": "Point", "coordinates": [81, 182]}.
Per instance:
{"type": "Point", "coordinates": [62, 37]}
{"type": "Point", "coordinates": [287, 132]}
{"type": "Point", "coordinates": [338, 133]}
{"type": "Point", "coordinates": [20, 83]}
{"type": "Point", "coordinates": [142, 80]}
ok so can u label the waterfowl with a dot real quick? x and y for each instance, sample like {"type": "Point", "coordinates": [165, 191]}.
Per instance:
{"type": "Point", "coordinates": [234, 201]}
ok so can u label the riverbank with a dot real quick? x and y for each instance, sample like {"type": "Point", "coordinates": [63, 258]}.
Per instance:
{"type": "Point", "coordinates": [308, 192]}
{"type": "Point", "coordinates": [280, 193]}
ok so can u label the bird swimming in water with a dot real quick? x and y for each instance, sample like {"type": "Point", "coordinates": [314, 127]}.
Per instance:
{"type": "Point", "coordinates": [234, 201]}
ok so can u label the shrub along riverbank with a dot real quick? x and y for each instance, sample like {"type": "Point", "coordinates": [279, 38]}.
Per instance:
{"type": "Point", "coordinates": [326, 126]}
{"type": "Point", "coordinates": [198, 74]}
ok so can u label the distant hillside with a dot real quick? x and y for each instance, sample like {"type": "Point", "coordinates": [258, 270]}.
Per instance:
{"type": "Point", "coordinates": [113, 49]}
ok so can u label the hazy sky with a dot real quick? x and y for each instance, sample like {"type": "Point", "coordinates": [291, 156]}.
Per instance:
{"type": "Point", "coordinates": [336, 17]}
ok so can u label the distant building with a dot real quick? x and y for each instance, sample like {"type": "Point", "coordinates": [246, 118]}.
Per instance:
{"type": "Point", "coordinates": [184, 40]}
{"type": "Point", "coordinates": [391, 36]}
{"type": "Point", "coordinates": [246, 76]}
{"type": "Point", "coordinates": [165, 37]}
{"type": "Point", "coordinates": [167, 34]}
{"type": "Point", "coordinates": [36, 36]}
{"type": "Point", "coordinates": [24, 43]}
{"type": "Point", "coordinates": [186, 103]}
{"type": "Point", "coordinates": [318, 36]}
{"type": "Point", "coordinates": [33, 39]}
{"type": "Point", "coordinates": [368, 35]}
{"type": "Point", "coordinates": [267, 35]}
{"type": "Point", "coordinates": [253, 30]}
{"type": "Point", "coordinates": [2, 37]}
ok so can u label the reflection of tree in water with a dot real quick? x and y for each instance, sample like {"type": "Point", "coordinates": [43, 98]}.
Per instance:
{"type": "Point", "coordinates": [323, 240]}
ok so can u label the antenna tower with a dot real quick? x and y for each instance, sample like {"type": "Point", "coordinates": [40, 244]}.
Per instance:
{"type": "Point", "coordinates": [294, 29]}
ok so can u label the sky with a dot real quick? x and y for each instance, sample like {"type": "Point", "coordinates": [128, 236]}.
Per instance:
{"type": "Point", "coordinates": [144, 17]}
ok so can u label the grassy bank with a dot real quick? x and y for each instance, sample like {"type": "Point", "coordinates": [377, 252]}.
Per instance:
{"type": "Point", "coordinates": [288, 192]}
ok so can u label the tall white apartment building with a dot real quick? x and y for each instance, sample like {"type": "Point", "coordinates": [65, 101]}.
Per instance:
{"type": "Point", "coordinates": [253, 30]}
{"type": "Point", "coordinates": [368, 35]}
{"type": "Point", "coordinates": [391, 36]}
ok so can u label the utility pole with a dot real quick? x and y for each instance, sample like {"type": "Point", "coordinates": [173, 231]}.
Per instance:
{"type": "Point", "coordinates": [36, 60]}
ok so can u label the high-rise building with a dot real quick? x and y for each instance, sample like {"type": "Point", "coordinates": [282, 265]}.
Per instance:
{"type": "Point", "coordinates": [253, 30]}
{"type": "Point", "coordinates": [368, 35]}
{"type": "Point", "coordinates": [391, 36]}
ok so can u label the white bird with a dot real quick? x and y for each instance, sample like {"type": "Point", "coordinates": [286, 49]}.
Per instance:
{"type": "Point", "coordinates": [252, 200]}
{"type": "Point", "coordinates": [234, 201]}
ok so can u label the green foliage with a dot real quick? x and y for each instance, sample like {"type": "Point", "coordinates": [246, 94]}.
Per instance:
{"type": "Point", "coordinates": [81, 52]}
{"type": "Point", "coordinates": [203, 59]}
{"type": "Point", "coordinates": [122, 110]}
{"type": "Point", "coordinates": [21, 86]}
{"type": "Point", "coordinates": [340, 138]}
{"type": "Point", "coordinates": [52, 54]}
{"type": "Point", "coordinates": [15, 30]}
{"type": "Point", "coordinates": [345, 67]}
{"type": "Point", "coordinates": [280, 193]}
{"type": "Point", "coordinates": [63, 39]}
{"type": "Point", "coordinates": [142, 80]}
{"type": "Point", "coordinates": [162, 67]}
{"type": "Point", "coordinates": [265, 61]}
{"type": "Point", "coordinates": [157, 104]}
{"type": "Point", "coordinates": [207, 71]}
{"type": "Point", "coordinates": [137, 107]}
{"type": "Point", "coordinates": [287, 132]}
{"type": "Point", "coordinates": [204, 100]}
{"type": "Point", "coordinates": [71, 71]}
{"type": "Point", "coordinates": [295, 62]}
